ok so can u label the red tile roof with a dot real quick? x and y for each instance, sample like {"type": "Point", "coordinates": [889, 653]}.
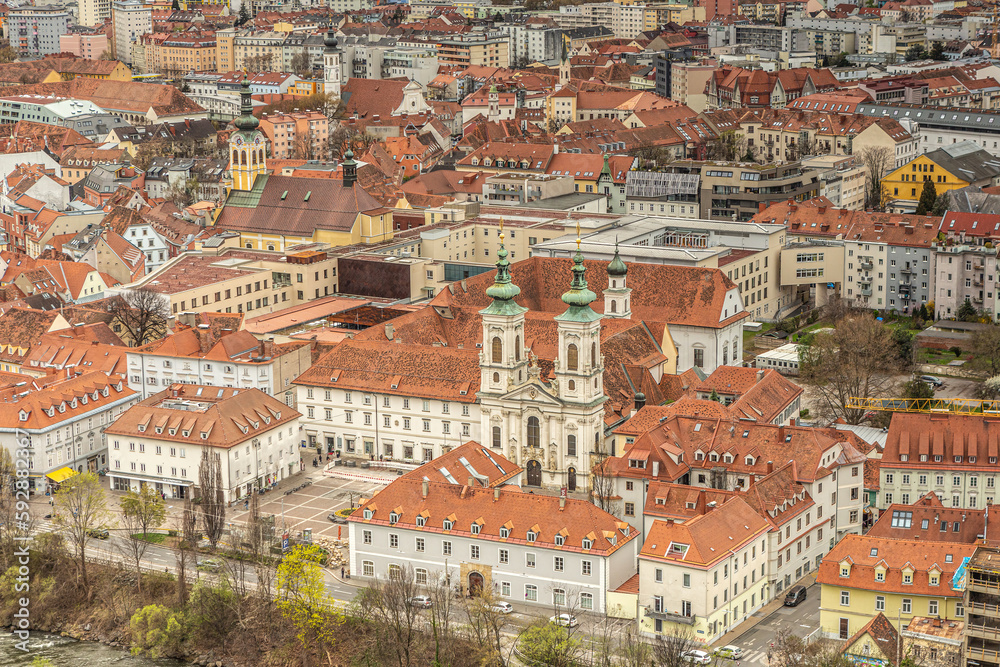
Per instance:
{"type": "Point", "coordinates": [708, 538]}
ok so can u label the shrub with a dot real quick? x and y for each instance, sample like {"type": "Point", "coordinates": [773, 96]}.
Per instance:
{"type": "Point", "coordinates": [956, 350]}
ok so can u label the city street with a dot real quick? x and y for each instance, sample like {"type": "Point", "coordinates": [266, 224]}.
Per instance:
{"type": "Point", "coordinates": [801, 621]}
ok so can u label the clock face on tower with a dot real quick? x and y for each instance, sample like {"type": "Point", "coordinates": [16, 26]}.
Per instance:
{"type": "Point", "coordinates": [238, 140]}
{"type": "Point", "coordinates": [257, 140]}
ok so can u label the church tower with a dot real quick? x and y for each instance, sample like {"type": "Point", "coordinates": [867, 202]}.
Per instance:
{"type": "Point", "coordinates": [617, 297]}
{"type": "Point", "coordinates": [331, 64]}
{"type": "Point", "coordinates": [503, 361]}
{"type": "Point", "coordinates": [564, 65]}
{"type": "Point", "coordinates": [493, 110]}
{"type": "Point", "coordinates": [247, 145]}
{"type": "Point", "coordinates": [580, 366]}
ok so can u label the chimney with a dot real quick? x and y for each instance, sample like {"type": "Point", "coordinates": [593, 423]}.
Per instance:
{"type": "Point", "coordinates": [426, 488]}
{"type": "Point", "coordinates": [496, 493]}
{"type": "Point", "coordinates": [472, 481]}
{"type": "Point", "coordinates": [760, 207]}
{"type": "Point", "coordinates": [562, 503]}
{"type": "Point", "coordinates": [770, 467]}
{"type": "Point", "coordinates": [656, 468]}
{"type": "Point", "coordinates": [389, 330]}
{"type": "Point", "coordinates": [760, 375]}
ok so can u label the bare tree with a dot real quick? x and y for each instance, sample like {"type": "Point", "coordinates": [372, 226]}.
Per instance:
{"type": "Point", "coordinates": [857, 359]}
{"type": "Point", "coordinates": [986, 345]}
{"type": "Point", "coordinates": [602, 483]}
{"type": "Point", "coordinates": [487, 619]}
{"type": "Point", "coordinates": [301, 64]}
{"type": "Point", "coordinates": [387, 601]}
{"type": "Point", "coordinates": [141, 512]}
{"type": "Point", "coordinates": [669, 647]}
{"type": "Point", "coordinates": [142, 315]}
{"type": "Point", "coordinates": [81, 507]}
{"type": "Point", "coordinates": [878, 161]}
{"type": "Point", "coordinates": [213, 496]}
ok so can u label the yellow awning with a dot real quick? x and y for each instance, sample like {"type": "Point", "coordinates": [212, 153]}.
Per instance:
{"type": "Point", "coordinates": [61, 475]}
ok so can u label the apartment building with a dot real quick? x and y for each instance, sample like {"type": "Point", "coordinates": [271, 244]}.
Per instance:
{"type": "Point", "coordinates": [863, 576]}
{"type": "Point", "coordinates": [219, 357]}
{"type": "Point", "coordinates": [491, 49]}
{"type": "Point", "coordinates": [180, 53]}
{"type": "Point", "coordinates": [687, 83]}
{"type": "Point", "coordinates": [949, 168]}
{"type": "Point", "coordinates": [160, 440]}
{"type": "Point", "coordinates": [35, 31]}
{"type": "Point", "coordinates": [130, 20]}
{"type": "Point", "coordinates": [705, 575]}
{"type": "Point", "coordinates": [843, 179]}
{"type": "Point", "coordinates": [966, 267]}
{"type": "Point", "coordinates": [302, 135]}
{"type": "Point", "coordinates": [936, 127]}
{"type": "Point", "coordinates": [736, 191]}
{"type": "Point", "coordinates": [980, 643]}
{"type": "Point", "coordinates": [84, 45]}
{"type": "Point", "coordinates": [456, 522]}
{"type": "Point", "coordinates": [94, 12]}
{"type": "Point", "coordinates": [61, 419]}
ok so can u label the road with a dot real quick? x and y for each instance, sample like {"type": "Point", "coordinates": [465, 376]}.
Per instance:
{"type": "Point", "coordinates": [800, 621]}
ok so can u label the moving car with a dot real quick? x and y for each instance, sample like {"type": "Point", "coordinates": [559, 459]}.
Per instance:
{"type": "Point", "coordinates": [502, 607]}
{"type": "Point", "coordinates": [932, 380]}
{"type": "Point", "coordinates": [796, 594]}
{"type": "Point", "coordinates": [97, 533]}
{"type": "Point", "coordinates": [420, 601]}
{"type": "Point", "coordinates": [729, 652]}
{"type": "Point", "coordinates": [697, 657]}
{"type": "Point", "coordinates": [565, 620]}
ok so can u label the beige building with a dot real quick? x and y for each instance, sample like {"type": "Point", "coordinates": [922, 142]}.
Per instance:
{"type": "Point", "coordinates": [842, 179]}
{"type": "Point", "coordinates": [687, 83]}
{"type": "Point", "coordinates": [94, 12]}
{"type": "Point", "coordinates": [475, 49]}
{"type": "Point", "coordinates": [301, 135]}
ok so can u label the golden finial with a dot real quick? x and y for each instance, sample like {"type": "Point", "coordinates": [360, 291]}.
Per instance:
{"type": "Point", "coordinates": [501, 230]}
{"type": "Point", "coordinates": [578, 234]}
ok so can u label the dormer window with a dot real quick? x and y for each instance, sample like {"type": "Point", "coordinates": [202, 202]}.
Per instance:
{"type": "Point", "coordinates": [159, 429]}
{"type": "Point", "coordinates": [421, 521]}
{"type": "Point", "coordinates": [448, 524]}
{"type": "Point", "coordinates": [749, 460]}
{"type": "Point", "coordinates": [369, 514]}
{"type": "Point", "coordinates": [393, 518]}
{"type": "Point", "coordinates": [185, 433]}
{"type": "Point", "coordinates": [972, 459]}
{"type": "Point", "coordinates": [934, 579]}
{"type": "Point", "coordinates": [958, 459]}
{"type": "Point", "coordinates": [713, 457]}
{"type": "Point", "coordinates": [204, 435]}
{"type": "Point", "coordinates": [588, 544]}
{"type": "Point", "coordinates": [907, 578]}
{"type": "Point", "coordinates": [172, 431]}
{"type": "Point", "coordinates": [728, 458]}
{"type": "Point", "coordinates": [879, 575]}
{"type": "Point", "coordinates": [62, 407]}
{"type": "Point", "coordinates": [142, 428]}
{"type": "Point", "coordinates": [845, 570]}
{"type": "Point", "coordinates": [476, 528]}
{"type": "Point", "coordinates": [505, 532]}
{"type": "Point", "coordinates": [937, 458]}
{"type": "Point", "coordinates": [23, 416]}
{"type": "Point", "coordinates": [699, 456]}
{"type": "Point", "coordinates": [904, 458]}
{"type": "Point", "coordinates": [532, 535]}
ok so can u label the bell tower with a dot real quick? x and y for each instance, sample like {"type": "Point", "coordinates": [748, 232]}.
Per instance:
{"type": "Point", "coordinates": [331, 64]}
{"type": "Point", "coordinates": [247, 146]}
{"type": "Point", "coordinates": [503, 361]}
{"type": "Point", "coordinates": [579, 369]}
{"type": "Point", "coordinates": [617, 297]}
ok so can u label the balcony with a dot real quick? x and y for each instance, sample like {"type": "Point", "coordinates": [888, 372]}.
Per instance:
{"type": "Point", "coordinates": [978, 281]}
{"type": "Point", "coordinates": [866, 291]}
{"type": "Point", "coordinates": [907, 270]}
{"type": "Point", "coordinates": [977, 299]}
{"type": "Point", "coordinates": [982, 609]}
{"type": "Point", "coordinates": [983, 631]}
{"type": "Point", "coordinates": [982, 654]}
{"type": "Point", "coordinates": [670, 616]}
{"type": "Point", "coordinates": [982, 586]}
{"type": "Point", "coordinates": [867, 264]}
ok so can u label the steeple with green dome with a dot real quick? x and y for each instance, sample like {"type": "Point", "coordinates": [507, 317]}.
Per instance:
{"type": "Point", "coordinates": [503, 290]}
{"type": "Point", "coordinates": [579, 297]}
{"type": "Point", "coordinates": [246, 122]}
{"type": "Point", "coordinates": [617, 267]}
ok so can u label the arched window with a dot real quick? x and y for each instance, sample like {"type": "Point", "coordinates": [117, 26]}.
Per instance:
{"type": "Point", "coordinates": [572, 358]}
{"type": "Point", "coordinates": [243, 158]}
{"type": "Point", "coordinates": [614, 306]}
{"type": "Point", "coordinates": [497, 350]}
{"type": "Point", "coordinates": [725, 354]}
{"type": "Point", "coordinates": [534, 435]}
{"type": "Point", "coordinates": [253, 158]}
{"type": "Point", "coordinates": [517, 348]}
{"type": "Point", "coordinates": [614, 284]}
{"type": "Point", "coordinates": [236, 157]}
{"type": "Point", "coordinates": [496, 437]}
{"type": "Point", "coordinates": [593, 355]}
{"type": "Point", "coordinates": [496, 378]}
{"type": "Point", "coordinates": [261, 153]}
{"type": "Point", "coordinates": [572, 385]}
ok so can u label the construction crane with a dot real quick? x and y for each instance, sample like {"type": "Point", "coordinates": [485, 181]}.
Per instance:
{"type": "Point", "coordinates": [958, 406]}
{"type": "Point", "coordinates": [994, 46]}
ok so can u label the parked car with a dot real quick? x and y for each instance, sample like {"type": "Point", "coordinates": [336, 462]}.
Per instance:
{"type": "Point", "coordinates": [795, 595]}
{"type": "Point", "coordinates": [210, 564]}
{"type": "Point", "coordinates": [502, 607]}
{"type": "Point", "coordinates": [729, 652]}
{"type": "Point", "coordinates": [420, 601]}
{"type": "Point", "coordinates": [932, 380]}
{"type": "Point", "coordinates": [97, 533]}
{"type": "Point", "coordinates": [565, 620]}
{"type": "Point", "coordinates": [696, 657]}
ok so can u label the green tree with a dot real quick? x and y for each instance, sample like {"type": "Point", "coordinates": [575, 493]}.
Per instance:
{"type": "Point", "coordinates": [928, 195]}
{"type": "Point", "coordinates": [714, 397]}
{"type": "Point", "coordinates": [915, 52]}
{"type": "Point", "coordinates": [39, 661]}
{"type": "Point", "coordinates": [546, 643]}
{"type": "Point", "coordinates": [903, 340]}
{"type": "Point", "coordinates": [937, 51]}
{"type": "Point", "coordinates": [923, 313]}
{"type": "Point", "coordinates": [303, 600]}
{"type": "Point", "coordinates": [8, 53]}
{"type": "Point", "coordinates": [244, 14]}
{"type": "Point", "coordinates": [967, 312]}
{"type": "Point", "coordinates": [81, 506]}
{"type": "Point", "coordinates": [142, 513]}
{"type": "Point", "coordinates": [158, 632]}
{"type": "Point", "coordinates": [917, 388]}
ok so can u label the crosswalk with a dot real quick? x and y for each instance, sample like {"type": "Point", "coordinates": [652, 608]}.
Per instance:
{"type": "Point", "coordinates": [749, 658]}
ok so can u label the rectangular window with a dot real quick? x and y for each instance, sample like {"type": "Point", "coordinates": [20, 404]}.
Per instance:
{"type": "Point", "coordinates": [531, 593]}
{"type": "Point", "coordinates": [907, 607]}
{"type": "Point", "coordinates": [504, 556]}
{"type": "Point", "coordinates": [845, 598]}
{"type": "Point", "coordinates": [586, 568]}
{"type": "Point", "coordinates": [559, 564]}
{"type": "Point", "coordinates": [446, 548]}
{"type": "Point", "coordinates": [529, 560]}
{"type": "Point", "coordinates": [505, 589]}
{"type": "Point", "coordinates": [879, 603]}
{"type": "Point", "coordinates": [474, 551]}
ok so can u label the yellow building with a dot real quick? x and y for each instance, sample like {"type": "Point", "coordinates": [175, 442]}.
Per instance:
{"type": "Point", "coordinates": [306, 87]}
{"type": "Point", "coordinates": [183, 53]}
{"type": "Point", "coordinates": [948, 168]}
{"type": "Point", "coordinates": [247, 145]}
{"type": "Point", "coordinates": [863, 576]}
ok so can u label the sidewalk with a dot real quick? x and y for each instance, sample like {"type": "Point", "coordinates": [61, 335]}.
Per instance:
{"type": "Point", "coordinates": [760, 615]}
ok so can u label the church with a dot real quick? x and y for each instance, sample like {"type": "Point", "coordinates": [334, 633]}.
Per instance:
{"type": "Point", "coordinates": [527, 361]}
{"type": "Point", "coordinates": [273, 212]}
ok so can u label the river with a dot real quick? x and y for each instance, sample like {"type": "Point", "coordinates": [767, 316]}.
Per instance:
{"type": "Point", "coordinates": [65, 652]}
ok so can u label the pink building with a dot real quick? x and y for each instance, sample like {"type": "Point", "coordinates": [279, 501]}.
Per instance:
{"type": "Point", "coordinates": [89, 46]}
